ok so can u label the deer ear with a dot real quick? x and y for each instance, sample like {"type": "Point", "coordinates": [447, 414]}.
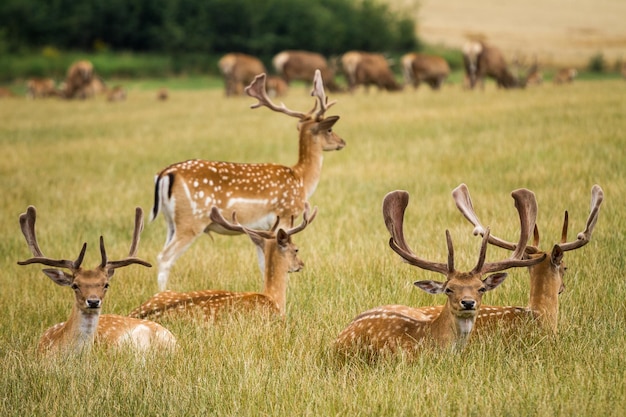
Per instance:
{"type": "Point", "coordinates": [492, 281]}
{"type": "Point", "coordinates": [556, 256]}
{"type": "Point", "coordinates": [59, 277]}
{"type": "Point", "coordinates": [431, 287]}
{"type": "Point", "coordinates": [282, 238]}
{"type": "Point", "coordinates": [325, 124]}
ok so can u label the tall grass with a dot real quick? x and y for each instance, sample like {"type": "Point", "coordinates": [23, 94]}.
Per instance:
{"type": "Point", "coordinates": [86, 165]}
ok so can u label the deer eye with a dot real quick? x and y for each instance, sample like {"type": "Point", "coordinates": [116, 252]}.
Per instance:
{"type": "Point", "coordinates": [482, 290]}
{"type": "Point", "coordinates": [106, 286]}
{"type": "Point", "coordinates": [448, 291]}
{"type": "Point", "coordinates": [74, 287]}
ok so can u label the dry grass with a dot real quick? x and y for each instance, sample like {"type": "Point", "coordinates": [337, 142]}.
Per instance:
{"type": "Point", "coordinates": [558, 32]}
{"type": "Point", "coordinates": [86, 165]}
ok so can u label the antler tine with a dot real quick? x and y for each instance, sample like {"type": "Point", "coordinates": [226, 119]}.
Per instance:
{"type": "Point", "coordinates": [27, 224]}
{"type": "Point", "coordinates": [597, 196]}
{"type": "Point", "coordinates": [450, 251]}
{"type": "Point", "coordinates": [257, 90]}
{"type": "Point", "coordinates": [564, 229]}
{"type": "Point", "coordinates": [134, 246]}
{"type": "Point", "coordinates": [463, 202]}
{"type": "Point", "coordinates": [394, 206]}
{"type": "Point", "coordinates": [318, 91]}
{"type": "Point", "coordinates": [306, 220]}
{"type": "Point", "coordinates": [483, 252]}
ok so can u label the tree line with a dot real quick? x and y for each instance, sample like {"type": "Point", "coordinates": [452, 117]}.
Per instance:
{"type": "Point", "coordinates": [260, 28]}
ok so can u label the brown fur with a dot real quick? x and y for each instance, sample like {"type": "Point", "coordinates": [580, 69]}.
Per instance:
{"type": "Point", "coordinates": [78, 82]}
{"type": "Point", "coordinates": [482, 60]}
{"type": "Point", "coordinates": [238, 70]}
{"type": "Point", "coordinates": [117, 93]}
{"type": "Point", "coordinates": [565, 76]}
{"type": "Point", "coordinates": [301, 65]}
{"type": "Point", "coordinates": [40, 88]}
{"type": "Point", "coordinates": [362, 68]}
{"type": "Point", "coordinates": [418, 68]}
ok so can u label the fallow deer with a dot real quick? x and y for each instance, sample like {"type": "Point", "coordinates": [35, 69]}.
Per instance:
{"type": "Point", "coordinates": [418, 68]}
{"type": "Point", "coordinates": [238, 70]}
{"type": "Point", "coordinates": [259, 193]}
{"type": "Point", "coordinates": [301, 65]}
{"type": "Point", "coordinates": [546, 278]}
{"type": "Point", "coordinates": [85, 325]}
{"type": "Point", "coordinates": [281, 258]}
{"type": "Point", "coordinates": [363, 68]}
{"type": "Point", "coordinates": [379, 329]}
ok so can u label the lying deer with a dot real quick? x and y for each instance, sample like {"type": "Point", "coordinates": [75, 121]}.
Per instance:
{"type": "Point", "coordinates": [546, 277]}
{"type": "Point", "coordinates": [382, 329]}
{"type": "Point", "coordinates": [259, 193]}
{"type": "Point", "coordinates": [85, 324]}
{"type": "Point", "coordinates": [281, 258]}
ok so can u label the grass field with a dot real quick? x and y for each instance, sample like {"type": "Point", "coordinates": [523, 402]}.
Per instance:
{"type": "Point", "coordinates": [87, 165]}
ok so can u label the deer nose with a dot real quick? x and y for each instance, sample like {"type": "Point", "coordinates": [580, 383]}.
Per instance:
{"type": "Point", "coordinates": [94, 303]}
{"type": "Point", "coordinates": [468, 304]}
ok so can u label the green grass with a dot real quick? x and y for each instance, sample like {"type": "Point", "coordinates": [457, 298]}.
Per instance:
{"type": "Point", "coordinates": [86, 165]}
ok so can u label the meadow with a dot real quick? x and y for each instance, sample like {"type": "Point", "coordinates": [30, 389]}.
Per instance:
{"type": "Point", "coordinates": [87, 165]}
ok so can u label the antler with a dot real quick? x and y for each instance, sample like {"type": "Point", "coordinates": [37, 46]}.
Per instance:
{"type": "Point", "coordinates": [132, 253]}
{"type": "Point", "coordinates": [257, 90]}
{"type": "Point", "coordinates": [235, 226]}
{"type": "Point", "coordinates": [597, 196]}
{"type": "Point", "coordinates": [27, 224]}
{"type": "Point", "coordinates": [526, 205]}
{"type": "Point", "coordinates": [394, 206]}
{"type": "Point", "coordinates": [318, 91]}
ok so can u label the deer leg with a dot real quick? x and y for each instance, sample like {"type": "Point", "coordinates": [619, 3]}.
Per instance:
{"type": "Point", "coordinates": [172, 250]}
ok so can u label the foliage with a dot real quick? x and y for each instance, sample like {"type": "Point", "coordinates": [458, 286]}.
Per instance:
{"type": "Point", "coordinates": [87, 165]}
{"type": "Point", "coordinates": [597, 63]}
{"type": "Point", "coordinates": [205, 26]}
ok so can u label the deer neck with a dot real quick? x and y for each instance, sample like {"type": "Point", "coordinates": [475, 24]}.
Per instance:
{"type": "Point", "coordinates": [276, 278]}
{"type": "Point", "coordinates": [80, 329]}
{"type": "Point", "coordinates": [310, 160]}
{"type": "Point", "coordinates": [545, 284]}
{"type": "Point", "coordinates": [450, 330]}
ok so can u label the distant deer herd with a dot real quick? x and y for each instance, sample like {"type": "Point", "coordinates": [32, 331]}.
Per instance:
{"type": "Point", "coordinates": [263, 201]}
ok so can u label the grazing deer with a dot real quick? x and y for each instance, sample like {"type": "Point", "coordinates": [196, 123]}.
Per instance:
{"type": "Point", "coordinates": [238, 70]}
{"type": "Point", "coordinates": [546, 278]}
{"type": "Point", "coordinates": [381, 329]}
{"type": "Point", "coordinates": [85, 324]}
{"type": "Point", "coordinates": [362, 68]}
{"type": "Point", "coordinates": [482, 60]}
{"type": "Point", "coordinates": [418, 68]}
{"type": "Point", "coordinates": [301, 65]}
{"type": "Point", "coordinates": [281, 258]}
{"type": "Point", "coordinates": [259, 193]}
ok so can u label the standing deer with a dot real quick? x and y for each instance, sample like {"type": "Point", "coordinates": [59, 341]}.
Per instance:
{"type": "Point", "coordinates": [418, 68]}
{"type": "Point", "coordinates": [380, 329]}
{"type": "Point", "coordinates": [301, 65]}
{"type": "Point", "coordinates": [259, 193]}
{"type": "Point", "coordinates": [78, 82]}
{"type": "Point", "coordinates": [546, 278]}
{"type": "Point", "coordinates": [281, 258]}
{"type": "Point", "coordinates": [85, 324]}
{"type": "Point", "coordinates": [238, 70]}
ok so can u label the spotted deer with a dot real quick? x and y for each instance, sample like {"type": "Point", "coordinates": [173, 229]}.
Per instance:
{"type": "Point", "coordinates": [380, 329]}
{"type": "Point", "coordinates": [85, 325]}
{"type": "Point", "coordinates": [259, 193]}
{"type": "Point", "coordinates": [281, 258]}
{"type": "Point", "coordinates": [546, 277]}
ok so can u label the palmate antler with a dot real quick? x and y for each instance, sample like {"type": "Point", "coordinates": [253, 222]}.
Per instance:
{"type": "Point", "coordinates": [257, 90]}
{"type": "Point", "coordinates": [526, 199]}
{"type": "Point", "coordinates": [394, 205]}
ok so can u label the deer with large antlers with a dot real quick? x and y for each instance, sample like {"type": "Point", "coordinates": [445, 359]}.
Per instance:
{"type": "Point", "coordinates": [382, 328]}
{"type": "Point", "coordinates": [259, 193]}
{"type": "Point", "coordinates": [281, 258]}
{"type": "Point", "coordinates": [546, 277]}
{"type": "Point", "coordinates": [85, 324]}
